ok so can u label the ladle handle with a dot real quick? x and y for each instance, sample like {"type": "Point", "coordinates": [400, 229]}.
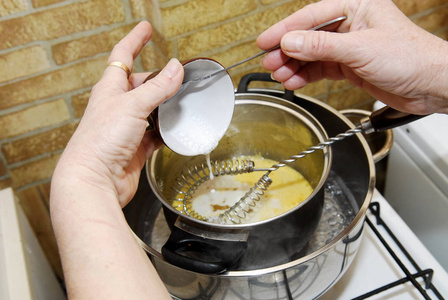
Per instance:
{"type": "Point", "coordinates": [387, 118]}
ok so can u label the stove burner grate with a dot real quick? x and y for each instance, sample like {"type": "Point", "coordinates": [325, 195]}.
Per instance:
{"type": "Point", "coordinates": [425, 274]}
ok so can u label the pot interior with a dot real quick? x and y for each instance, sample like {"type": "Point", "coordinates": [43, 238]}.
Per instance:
{"type": "Point", "coordinates": [268, 127]}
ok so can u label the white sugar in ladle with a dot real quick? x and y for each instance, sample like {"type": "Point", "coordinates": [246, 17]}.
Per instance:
{"type": "Point", "coordinates": [194, 120]}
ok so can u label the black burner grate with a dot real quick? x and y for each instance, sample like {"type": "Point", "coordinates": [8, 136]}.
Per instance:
{"type": "Point", "coordinates": [410, 277]}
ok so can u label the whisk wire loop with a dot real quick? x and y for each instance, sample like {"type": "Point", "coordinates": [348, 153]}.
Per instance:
{"type": "Point", "coordinates": [252, 196]}
{"type": "Point", "coordinates": [240, 209]}
{"type": "Point", "coordinates": [189, 182]}
{"type": "Point", "coordinates": [232, 167]}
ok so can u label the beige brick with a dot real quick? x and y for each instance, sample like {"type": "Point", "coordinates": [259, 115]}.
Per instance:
{"type": "Point", "coordinates": [348, 98]}
{"type": "Point", "coordinates": [61, 81]}
{"type": "Point", "coordinates": [89, 46]}
{"type": "Point", "coordinates": [368, 105]}
{"type": "Point", "coordinates": [152, 58]}
{"type": "Point", "coordinates": [38, 216]}
{"type": "Point", "coordinates": [412, 7]}
{"type": "Point", "coordinates": [59, 21]}
{"type": "Point", "coordinates": [79, 103]}
{"type": "Point", "coordinates": [3, 170]}
{"type": "Point", "coordinates": [229, 33]}
{"type": "Point", "coordinates": [266, 2]}
{"type": "Point", "coordinates": [194, 14]}
{"type": "Point", "coordinates": [433, 21]}
{"type": "Point", "coordinates": [443, 35]}
{"type": "Point", "coordinates": [159, 40]}
{"type": "Point", "coordinates": [9, 7]}
{"type": "Point", "coordinates": [35, 117]}
{"type": "Point", "coordinates": [5, 183]}
{"type": "Point", "coordinates": [48, 141]}
{"type": "Point", "coordinates": [314, 89]}
{"type": "Point", "coordinates": [40, 3]}
{"type": "Point", "coordinates": [44, 190]}
{"type": "Point", "coordinates": [336, 85]}
{"type": "Point", "coordinates": [34, 171]}
{"type": "Point", "coordinates": [147, 9]}
{"type": "Point", "coordinates": [23, 62]}
{"type": "Point", "coordinates": [238, 53]}
{"type": "Point", "coordinates": [138, 8]}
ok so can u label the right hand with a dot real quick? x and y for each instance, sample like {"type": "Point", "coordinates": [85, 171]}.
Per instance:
{"type": "Point", "coordinates": [377, 48]}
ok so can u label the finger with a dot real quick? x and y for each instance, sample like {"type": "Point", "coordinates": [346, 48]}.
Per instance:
{"type": "Point", "coordinates": [151, 142]}
{"type": "Point", "coordinates": [125, 52]}
{"type": "Point", "coordinates": [295, 82]}
{"type": "Point", "coordinates": [311, 15]}
{"type": "Point", "coordinates": [286, 71]}
{"type": "Point", "coordinates": [313, 72]}
{"type": "Point", "coordinates": [137, 79]}
{"type": "Point", "coordinates": [158, 89]}
{"type": "Point", "coordinates": [324, 46]}
{"type": "Point", "coordinates": [274, 60]}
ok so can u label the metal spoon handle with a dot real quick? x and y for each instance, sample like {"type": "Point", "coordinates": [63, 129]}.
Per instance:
{"type": "Point", "coordinates": [265, 51]}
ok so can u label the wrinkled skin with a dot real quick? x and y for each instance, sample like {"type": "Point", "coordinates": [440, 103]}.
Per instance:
{"type": "Point", "coordinates": [377, 48]}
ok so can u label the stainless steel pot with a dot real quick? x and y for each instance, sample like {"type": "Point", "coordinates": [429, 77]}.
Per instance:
{"type": "Point", "coordinates": [319, 265]}
{"type": "Point", "coordinates": [307, 276]}
{"type": "Point", "coordinates": [261, 125]}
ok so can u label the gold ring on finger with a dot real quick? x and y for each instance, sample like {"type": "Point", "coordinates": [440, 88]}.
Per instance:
{"type": "Point", "coordinates": [121, 66]}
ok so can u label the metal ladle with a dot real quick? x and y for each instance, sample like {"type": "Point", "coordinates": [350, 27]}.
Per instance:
{"type": "Point", "coordinates": [318, 27]}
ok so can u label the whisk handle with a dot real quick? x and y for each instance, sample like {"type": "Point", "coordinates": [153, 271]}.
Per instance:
{"type": "Point", "coordinates": [202, 255]}
{"type": "Point", "coordinates": [387, 118]}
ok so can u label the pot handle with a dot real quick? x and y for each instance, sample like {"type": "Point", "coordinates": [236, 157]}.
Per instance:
{"type": "Point", "coordinates": [243, 86]}
{"type": "Point", "coordinates": [198, 254]}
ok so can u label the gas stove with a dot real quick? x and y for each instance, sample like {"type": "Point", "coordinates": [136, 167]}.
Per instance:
{"type": "Point", "coordinates": [391, 262]}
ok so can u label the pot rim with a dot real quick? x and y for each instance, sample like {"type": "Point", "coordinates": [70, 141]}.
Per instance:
{"type": "Point", "coordinates": [287, 106]}
{"type": "Point", "coordinates": [359, 217]}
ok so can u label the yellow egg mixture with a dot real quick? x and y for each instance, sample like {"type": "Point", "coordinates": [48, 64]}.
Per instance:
{"type": "Point", "coordinates": [288, 189]}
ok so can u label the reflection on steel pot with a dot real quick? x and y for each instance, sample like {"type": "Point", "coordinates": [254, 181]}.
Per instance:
{"type": "Point", "coordinates": [380, 142]}
{"type": "Point", "coordinates": [320, 263]}
{"type": "Point", "coordinates": [273, 129]}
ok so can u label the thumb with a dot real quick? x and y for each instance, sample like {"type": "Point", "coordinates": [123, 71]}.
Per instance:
{"type": "Point", "coordinates": [157, 90]}
{"type": "Point", "coordinates": [316, 45]}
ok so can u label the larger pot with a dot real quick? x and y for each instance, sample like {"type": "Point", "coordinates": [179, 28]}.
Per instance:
{"type": "Point", "coordinates": [261, 125]}
{"type": "Point", "coordinates": [309, 274]}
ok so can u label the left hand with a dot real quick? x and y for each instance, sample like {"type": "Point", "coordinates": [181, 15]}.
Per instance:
{"type": "Point", "coordinates": [110, 145]}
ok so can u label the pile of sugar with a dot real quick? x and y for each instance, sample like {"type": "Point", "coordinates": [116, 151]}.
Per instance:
{"type": "Point", "coordinates": [201, 137]}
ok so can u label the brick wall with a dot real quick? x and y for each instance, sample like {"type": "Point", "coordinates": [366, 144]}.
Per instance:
{"type": "Point", "coordinates": [53, 51]}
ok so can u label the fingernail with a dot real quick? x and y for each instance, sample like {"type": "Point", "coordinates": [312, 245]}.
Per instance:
{"type": "Point", "coordinates": [293, 42]}
{"type": "Point", "coordinates": [172, 68]}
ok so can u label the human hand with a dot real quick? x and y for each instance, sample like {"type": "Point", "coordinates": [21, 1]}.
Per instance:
{"type": "Point", "coordinates": [110, 145]}
{"type": "Point", "coordinates": [377, 48]}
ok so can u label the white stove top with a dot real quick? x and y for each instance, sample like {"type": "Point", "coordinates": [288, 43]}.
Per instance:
{"type": "Point", "coordinates": [374, 267]}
